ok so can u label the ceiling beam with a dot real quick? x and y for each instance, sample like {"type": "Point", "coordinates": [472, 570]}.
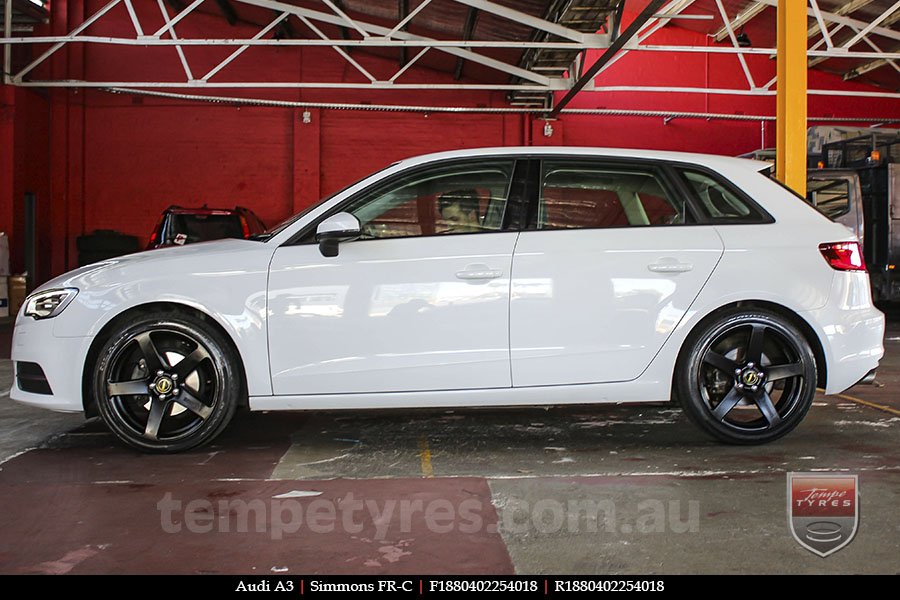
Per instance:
{"type": "Point", "coordinates": [227, 10]}
{"type": "Point", "coordinates": [865, 68]}
{"type": "Point", "coordinates": [525, 19]}
{"type": "Point", "coordinates": [654, 24]}
{"type": "Point", "coordinates": [468, 29]}
{"type": "Point", "coordinates": [402, 12]}
{"type": "Point", "coordinates": [871, 65]}
{"type": "Point", "coordinates": [378, 30]}
{"type": "Point", "coordinates": [892, 11]}
{"type": "Point", "coordinates": [30, 10]}
{"type": "Point", "coordinates": [842, 11]}
{"type": "Point", "coordinates": [742, 19]}
{"type": "Point", "coordinates": [856, 29]}
{"type": "Point", "coordinates": [881, 30]}
{"type": "Point", "coordinates": [588, 76]}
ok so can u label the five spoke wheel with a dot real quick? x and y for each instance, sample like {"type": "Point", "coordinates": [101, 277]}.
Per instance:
{"type": "Point", "coordinates": [166, 385]}
{"type": "Point", "coordinates": [749, 379]}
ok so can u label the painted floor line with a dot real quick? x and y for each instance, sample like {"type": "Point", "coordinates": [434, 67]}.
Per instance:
{"type": "Point", "coordinates": [685, 474]}
{"type": "Point", "coordinates": [874, 405]}
{"type": "Point", "coordinates": [16, 455]}
{"type": "Point", "coordinates": [425, 458]}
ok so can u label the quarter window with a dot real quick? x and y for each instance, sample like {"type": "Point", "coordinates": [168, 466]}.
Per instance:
{"type": "Point", "coordinates": [588, 196]}
{"type": "Point", "coordinates": [450, 199]}
{"type": "Point", "coordinates": [718, 201]}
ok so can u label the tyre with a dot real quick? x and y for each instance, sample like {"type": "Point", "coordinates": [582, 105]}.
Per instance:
{"type": "Point", "coordinates": [747, 376]}
{"type": "Point", "coordinates": [166, 382]}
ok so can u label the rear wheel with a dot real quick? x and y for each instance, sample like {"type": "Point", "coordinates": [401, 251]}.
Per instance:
{"type": "Point", "coordinates": [166, 382]}
{"type": "Point", "coordinates": [747, 377]}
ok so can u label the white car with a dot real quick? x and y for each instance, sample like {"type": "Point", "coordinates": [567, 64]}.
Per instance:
{"type": "Point", "coordinates": [489, 277]}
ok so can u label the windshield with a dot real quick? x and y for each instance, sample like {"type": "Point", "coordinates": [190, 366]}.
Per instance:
{"type": "Point", "coordinates": [270, 233]}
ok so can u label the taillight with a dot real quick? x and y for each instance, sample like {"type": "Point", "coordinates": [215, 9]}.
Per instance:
{"type": "Point", "coordinates": [155, 234]}
{"type": "Point", "coordinates": [245, 227]}
{"type": "Point", "coordinates": [843, 256]}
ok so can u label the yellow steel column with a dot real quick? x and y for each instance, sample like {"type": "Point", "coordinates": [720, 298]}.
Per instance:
{"type": "Point", "coordinates": [790, 130]}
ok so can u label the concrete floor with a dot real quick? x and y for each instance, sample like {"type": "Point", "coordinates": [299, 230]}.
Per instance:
{"type": "Point", "coordinates": [602, 490]}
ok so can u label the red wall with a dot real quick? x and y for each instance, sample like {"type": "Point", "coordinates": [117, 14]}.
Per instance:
{"type": "Point", "coordinates": [102, 161]}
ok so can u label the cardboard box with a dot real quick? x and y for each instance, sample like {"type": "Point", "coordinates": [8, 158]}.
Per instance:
{"type": "Point", "coordinates": [16, 293]}
{"type": "Point", "coordinates": [4, 298]}
{"type": "Point", "coordinates": [4, 255]}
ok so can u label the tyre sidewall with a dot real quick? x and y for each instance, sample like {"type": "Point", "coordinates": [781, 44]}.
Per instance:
{"type": "Point", "coordinates": [226, 374]}
{"type": "Point", "coordinates": [691, 361]}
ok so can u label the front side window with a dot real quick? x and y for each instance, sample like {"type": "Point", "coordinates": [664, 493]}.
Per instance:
{"type": "Point", "coordinates": [589, 196]}
{"type": "Point", "coordinates": [467, 197]}
{"type": "Point", "coordinates": [831, 197]}
{"type": "Point", "coordinates": [718, 201]}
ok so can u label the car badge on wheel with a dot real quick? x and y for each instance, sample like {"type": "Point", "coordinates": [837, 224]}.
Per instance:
{"type": "Point", "coordinates": [164, 385]}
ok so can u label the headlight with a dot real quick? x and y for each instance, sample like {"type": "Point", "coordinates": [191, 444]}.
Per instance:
{"type": "Point", "coordinates": [48, 304]}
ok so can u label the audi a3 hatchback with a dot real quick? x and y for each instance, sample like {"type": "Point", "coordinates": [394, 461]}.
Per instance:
{"type": "Point", "coordinates": [488, 277]}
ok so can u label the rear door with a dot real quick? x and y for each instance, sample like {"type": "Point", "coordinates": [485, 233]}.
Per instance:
{"type": "Point", "coordinates": [609, 263]}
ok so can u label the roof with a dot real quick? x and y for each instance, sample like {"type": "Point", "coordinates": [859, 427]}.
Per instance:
{"type": "Point", "coordinates": [26, 14]}
{"type": "Point", "coordinates": [711, 160]}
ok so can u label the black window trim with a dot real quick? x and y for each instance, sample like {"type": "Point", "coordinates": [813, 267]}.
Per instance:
{"type": "Point", "coordinates": [511, 220]}
{"type": "Point", "coordinates": [525, 190]}
{"type": "Point", "coordinates": [678, 169]}
{"type": "Point", "coordinates": [657, 167]}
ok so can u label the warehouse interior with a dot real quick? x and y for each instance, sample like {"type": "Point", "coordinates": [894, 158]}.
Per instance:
{"type": "Point", "coordinates": [112, 111]}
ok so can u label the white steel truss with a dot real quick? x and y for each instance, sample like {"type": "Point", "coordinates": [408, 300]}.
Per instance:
{"type": "Point", "coordinates": [742, 19]}
{"type": "Point", "coordinates": [372, 35]}
{"type": "Point", "coordinates": [863, 32]}
{"type": "Point", "coordinates": [512, 77]}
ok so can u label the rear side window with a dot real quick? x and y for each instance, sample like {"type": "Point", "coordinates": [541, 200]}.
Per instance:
{"type": "Point", "coordinates": [719, 201]}
{"type": "Point", "coordinates": [591, 196]}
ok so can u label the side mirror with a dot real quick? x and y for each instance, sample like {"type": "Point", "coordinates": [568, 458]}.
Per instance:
{"type": "Point", "coordinates": [338, 228]}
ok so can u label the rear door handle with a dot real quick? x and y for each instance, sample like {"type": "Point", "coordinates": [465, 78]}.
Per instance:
{"type": "Point", "coordinates": [670, 265]}
{"type": "Point", "coordinates": [478, 272]}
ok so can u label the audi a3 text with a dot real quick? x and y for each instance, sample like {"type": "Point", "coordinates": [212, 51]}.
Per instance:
{"type": "Point", "coordinates": [488, 277]}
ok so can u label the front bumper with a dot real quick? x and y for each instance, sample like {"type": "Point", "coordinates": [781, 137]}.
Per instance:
{"type": "Point", "coordinates": [61, 358]}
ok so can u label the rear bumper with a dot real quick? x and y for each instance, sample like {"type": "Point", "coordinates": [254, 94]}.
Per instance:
{"type": "Point", "coordinates": [851, 330]}
{"type": "Point", "coordinates": [59, 358]}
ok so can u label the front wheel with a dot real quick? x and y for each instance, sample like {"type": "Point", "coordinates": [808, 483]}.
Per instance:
{"type": "Point", "coordinates": [746, 377]}
{"type": "Point", "coordinates": [166, 382]}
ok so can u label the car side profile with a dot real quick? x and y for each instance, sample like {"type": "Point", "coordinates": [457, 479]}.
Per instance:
{"type": "Point", "coordinates": [486, 277]}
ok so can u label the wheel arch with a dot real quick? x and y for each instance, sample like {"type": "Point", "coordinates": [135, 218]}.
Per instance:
{"type": "Point", "coordinates": [790, 315]}
{"type": "Point", "coordinates": [87, 400]}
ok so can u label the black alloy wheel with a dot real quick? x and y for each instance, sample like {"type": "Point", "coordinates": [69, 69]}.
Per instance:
{"type": "Point", "coordinates": [166, 382]}
{"type": "Point", "coordinates": [747, 377]}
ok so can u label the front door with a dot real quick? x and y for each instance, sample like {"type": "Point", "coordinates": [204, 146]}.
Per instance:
{"type": "Point", "coordinates": [419, 302]}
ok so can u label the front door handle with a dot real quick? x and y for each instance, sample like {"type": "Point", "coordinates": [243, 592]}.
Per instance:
{"type": "Point", "coordinates": [670, 265]}
{"type": "Point", "coordinates": [479, 272]}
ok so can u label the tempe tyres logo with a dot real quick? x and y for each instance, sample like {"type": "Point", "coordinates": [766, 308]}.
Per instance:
{"type": "Point", "coordinates": [823, 510]}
